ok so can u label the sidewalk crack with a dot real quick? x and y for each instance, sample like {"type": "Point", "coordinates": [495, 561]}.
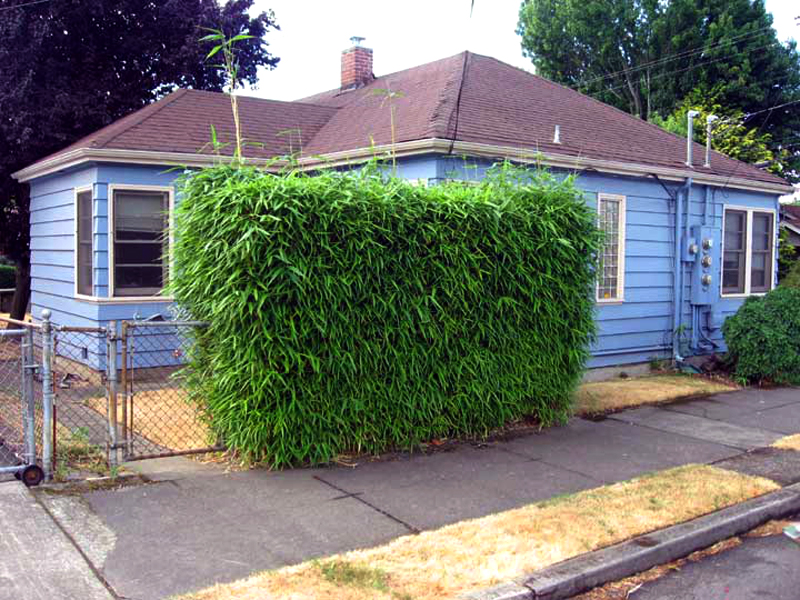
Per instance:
{"type": "Point", "coordinates": [357, 496]}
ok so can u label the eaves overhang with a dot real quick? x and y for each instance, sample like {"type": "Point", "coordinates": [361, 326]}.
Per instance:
{"type": "Point", "coordinates": [700, 175]}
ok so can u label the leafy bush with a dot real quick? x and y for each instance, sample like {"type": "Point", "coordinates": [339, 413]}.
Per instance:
{"type": "Point", "coordinates": [357, 312]}
{"type": "Point", "coordinates": [763, 338]}
{"type": "Point", "coordinates": [8, 275]}
{"type": "Point", "coordinates": [792, 278]}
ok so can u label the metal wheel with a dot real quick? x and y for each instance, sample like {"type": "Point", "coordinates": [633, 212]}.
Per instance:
{"type": "Point", "coordinates": [32, 475]}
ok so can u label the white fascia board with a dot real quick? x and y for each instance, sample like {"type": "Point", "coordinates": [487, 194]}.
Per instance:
{"type": "Point", "coordinates": [431, 145]}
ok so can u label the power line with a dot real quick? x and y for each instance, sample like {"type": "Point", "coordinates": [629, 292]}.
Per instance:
{"type": "Point", "coordinates": [689, 68]}
{"type": "Point", "coordinates": [672, 57]}
{"type": "Point", "coordinates": [23, 5]}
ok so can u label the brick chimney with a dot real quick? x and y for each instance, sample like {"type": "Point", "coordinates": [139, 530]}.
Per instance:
{"type": "Point", "coordinates": [356, 65]}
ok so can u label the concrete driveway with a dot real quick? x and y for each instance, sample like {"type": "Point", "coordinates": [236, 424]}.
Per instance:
{"type": "Point", "coordinates": [196, 525]}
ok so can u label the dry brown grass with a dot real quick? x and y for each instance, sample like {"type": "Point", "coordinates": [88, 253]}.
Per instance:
{"type": "Point", "coordinates": [483, 552]}
{"type": "Point", "coordinates": [791, 442]}
{"type": "Point", "coordinates": [605, 396]}
{"type": "Point", "coordinates": [164, 417]}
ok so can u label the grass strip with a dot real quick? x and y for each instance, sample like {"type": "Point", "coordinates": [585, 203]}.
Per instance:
{"type": "Point", "coordinates": [482, 552]}
{"type": "Point", "coordinates": [791, 442]}
{"type": "Point", "coordinates": [606, 396]}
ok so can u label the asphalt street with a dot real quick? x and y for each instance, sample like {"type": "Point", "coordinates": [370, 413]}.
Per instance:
{"type": "Point", "coordinates": [760, 568]}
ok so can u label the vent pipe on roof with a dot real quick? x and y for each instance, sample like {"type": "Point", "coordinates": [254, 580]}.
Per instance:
{"type": "Point", "coordinates": [690, 135]}
{"type": "Point", "coordinates": [709, 120]}
{"type": "Point", "coordinates": [557, 135]}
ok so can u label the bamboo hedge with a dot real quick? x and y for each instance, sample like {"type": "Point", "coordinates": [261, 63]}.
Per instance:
{"type": "Point", "coordinates": [355, 312]}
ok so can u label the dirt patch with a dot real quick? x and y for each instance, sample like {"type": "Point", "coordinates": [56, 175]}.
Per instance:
{"type": "Point", "coordinates": [602, 397]}
{"type": "Point", "coordinates": [164, 417]}
{"type": "Point", "coordinates": [483, 552]}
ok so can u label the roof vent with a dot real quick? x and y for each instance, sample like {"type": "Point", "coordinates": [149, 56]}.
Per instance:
{"type": "Point", "coordinates": [356, 65]}
{"type": "Point", "coordinates": [557, 135]}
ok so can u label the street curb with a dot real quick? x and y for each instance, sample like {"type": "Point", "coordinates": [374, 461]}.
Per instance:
{"type": "Point", "coordinates": [587, 571]}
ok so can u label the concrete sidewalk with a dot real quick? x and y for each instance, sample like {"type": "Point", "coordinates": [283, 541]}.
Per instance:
{"type": "Point", "coordinates": [37, 560]}
{"type": "Point", "coordinates": [196, 525]}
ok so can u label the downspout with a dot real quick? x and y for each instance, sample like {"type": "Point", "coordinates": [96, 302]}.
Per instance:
{"type": "Point", "coordinates": [679, 238]}
{"type": "Point", "coordinates": [677, 288]}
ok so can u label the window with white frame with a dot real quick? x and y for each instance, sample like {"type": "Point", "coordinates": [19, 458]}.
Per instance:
{"type": "Point", "coordinates": [748, 251]}
{"type": "Point", "coordinates": [83, 242]}
{"type": "Point", "coordinates": [611, 268]}
{"type": "Point", "coordinates": [140, 233]}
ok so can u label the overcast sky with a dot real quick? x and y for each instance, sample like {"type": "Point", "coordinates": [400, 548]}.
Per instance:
{"type": "Point", "coordinates": [402, 35]}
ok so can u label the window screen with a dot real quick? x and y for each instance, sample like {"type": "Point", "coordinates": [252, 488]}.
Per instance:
{"type": "Point", "coordinates": [140, 238]}
{"type": "Point", "coordinates": [610, 268]}
{"type": "Point", "coordinates": [83, 261]}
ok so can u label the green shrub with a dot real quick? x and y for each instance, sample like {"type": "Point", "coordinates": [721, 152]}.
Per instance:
{"type": "Point", "coordinates": [8, 274]}
{"type": "Point", "coordinates": [763, 338]}
{"type": "Point", "coordinates": [792, 278]}
{"type": "Point", "coordinates": [356, 312]}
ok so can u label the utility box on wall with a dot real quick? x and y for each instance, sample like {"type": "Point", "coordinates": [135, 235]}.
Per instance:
{"type": "Point", "coordinates": [704, 247]}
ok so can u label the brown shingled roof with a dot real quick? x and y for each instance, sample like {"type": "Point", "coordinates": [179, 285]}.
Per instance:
{"type": "Point", "coordinates": [466, 97]}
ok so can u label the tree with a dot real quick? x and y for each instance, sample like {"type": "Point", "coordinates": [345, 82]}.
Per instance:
{"type": "Point", "coordinates": [70, 67]}
{"type": "Point", "coordinates": [646, 56]}
{"type": "Point", "coordinates": [730, 133]}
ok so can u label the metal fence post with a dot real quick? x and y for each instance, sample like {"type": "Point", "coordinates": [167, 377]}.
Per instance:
{"type": "Point", "coordinates": [47, 395]}
{"type": "Point", "coordinates": [28, 397]}
{"type": "Point", "coordinates": [111, 379]}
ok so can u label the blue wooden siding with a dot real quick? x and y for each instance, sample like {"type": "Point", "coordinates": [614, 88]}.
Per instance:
{"type": "Point", "coordinates": [635, 330]}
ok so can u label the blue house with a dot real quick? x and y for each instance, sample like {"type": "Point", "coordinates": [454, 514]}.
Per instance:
{"type": "Point", "coordinates": [690, 235]}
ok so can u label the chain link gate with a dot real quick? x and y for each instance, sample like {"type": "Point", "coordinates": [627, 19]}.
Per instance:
{"type": "Point", "coordinates": [21, 418]}
{"type": "Point", "coordinates": [88, 398]}
{"type": "Point", "coordinates": [154, 416]}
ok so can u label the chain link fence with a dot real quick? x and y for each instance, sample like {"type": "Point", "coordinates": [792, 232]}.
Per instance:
{"type": "Point", "coordinates": [87, 398]}
{"type": "Point", "coordinates": [21, 414]}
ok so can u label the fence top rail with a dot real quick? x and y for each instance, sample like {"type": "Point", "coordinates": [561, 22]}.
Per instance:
{"type": "Point", "coordinates": [27, 324]}
{"type": "Point", "coordinates": [68, 329]}
{"type": "Point", "coordinates": [155, 324]}
{"type": "Point", "coordinates": [12, 332]}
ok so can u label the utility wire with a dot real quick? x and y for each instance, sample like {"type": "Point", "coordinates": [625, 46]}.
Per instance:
{"type": "Point", "coordinates": [661, 75]}
{"type": "Point", "coordinates": [672, 57]}
{"type": "Point", "coordinates": [23, 5]}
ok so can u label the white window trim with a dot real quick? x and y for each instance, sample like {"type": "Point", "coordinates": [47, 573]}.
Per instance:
{"type": "Point", "coordinates": [748, 249]}
{"type": "Point", "coordinates": [81, 190]}
{"type": "Point", "coordinates": [623, 200]}
{"type": "Point", "coordinates": [170, 225]}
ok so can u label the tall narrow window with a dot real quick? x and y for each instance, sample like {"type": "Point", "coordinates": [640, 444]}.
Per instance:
{"type": "Point", "coordinates": [761, 261]}
{"type": "Point", "coordinates": [733, 263]}
{"type": "Point", "coordinates": [140, 242]}
{"type": "Point", "coordinates": [748, 253]}
{"type": "Point", "coordinates": [83, 242]}
{"type": "Point", "coordinates": [611, 270]}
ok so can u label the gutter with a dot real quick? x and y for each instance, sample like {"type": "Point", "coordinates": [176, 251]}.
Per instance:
{"type": "Point", "coordinates": [410, 148]}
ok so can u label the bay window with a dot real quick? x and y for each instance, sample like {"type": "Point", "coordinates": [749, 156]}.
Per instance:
{"type": "Point", "coordinates": [84, 247]}
{"type": "Point", "coordinates": [140, 241]}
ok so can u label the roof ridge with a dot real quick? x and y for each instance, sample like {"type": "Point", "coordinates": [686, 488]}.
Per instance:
{"type": "Point", "coordinates": [649, 124]}
{"type": "Point", "coordinates": [257, 98]}
{"type": "Point", "coordinates": [334, 91]}
{"type": "Point", "coordinates": [437, 120]}
{"type": "Point", "coordinates": [154, 109]}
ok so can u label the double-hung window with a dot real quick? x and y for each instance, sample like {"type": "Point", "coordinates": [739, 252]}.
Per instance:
{"type": "Point", "coordinates": [140, 241]}
{"type": "Point", "coordinates": [83, 242]}
{"type": "Point", "coordinates": [748, 251]}
{"type": "Point", "coordinates": [611, 268]}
